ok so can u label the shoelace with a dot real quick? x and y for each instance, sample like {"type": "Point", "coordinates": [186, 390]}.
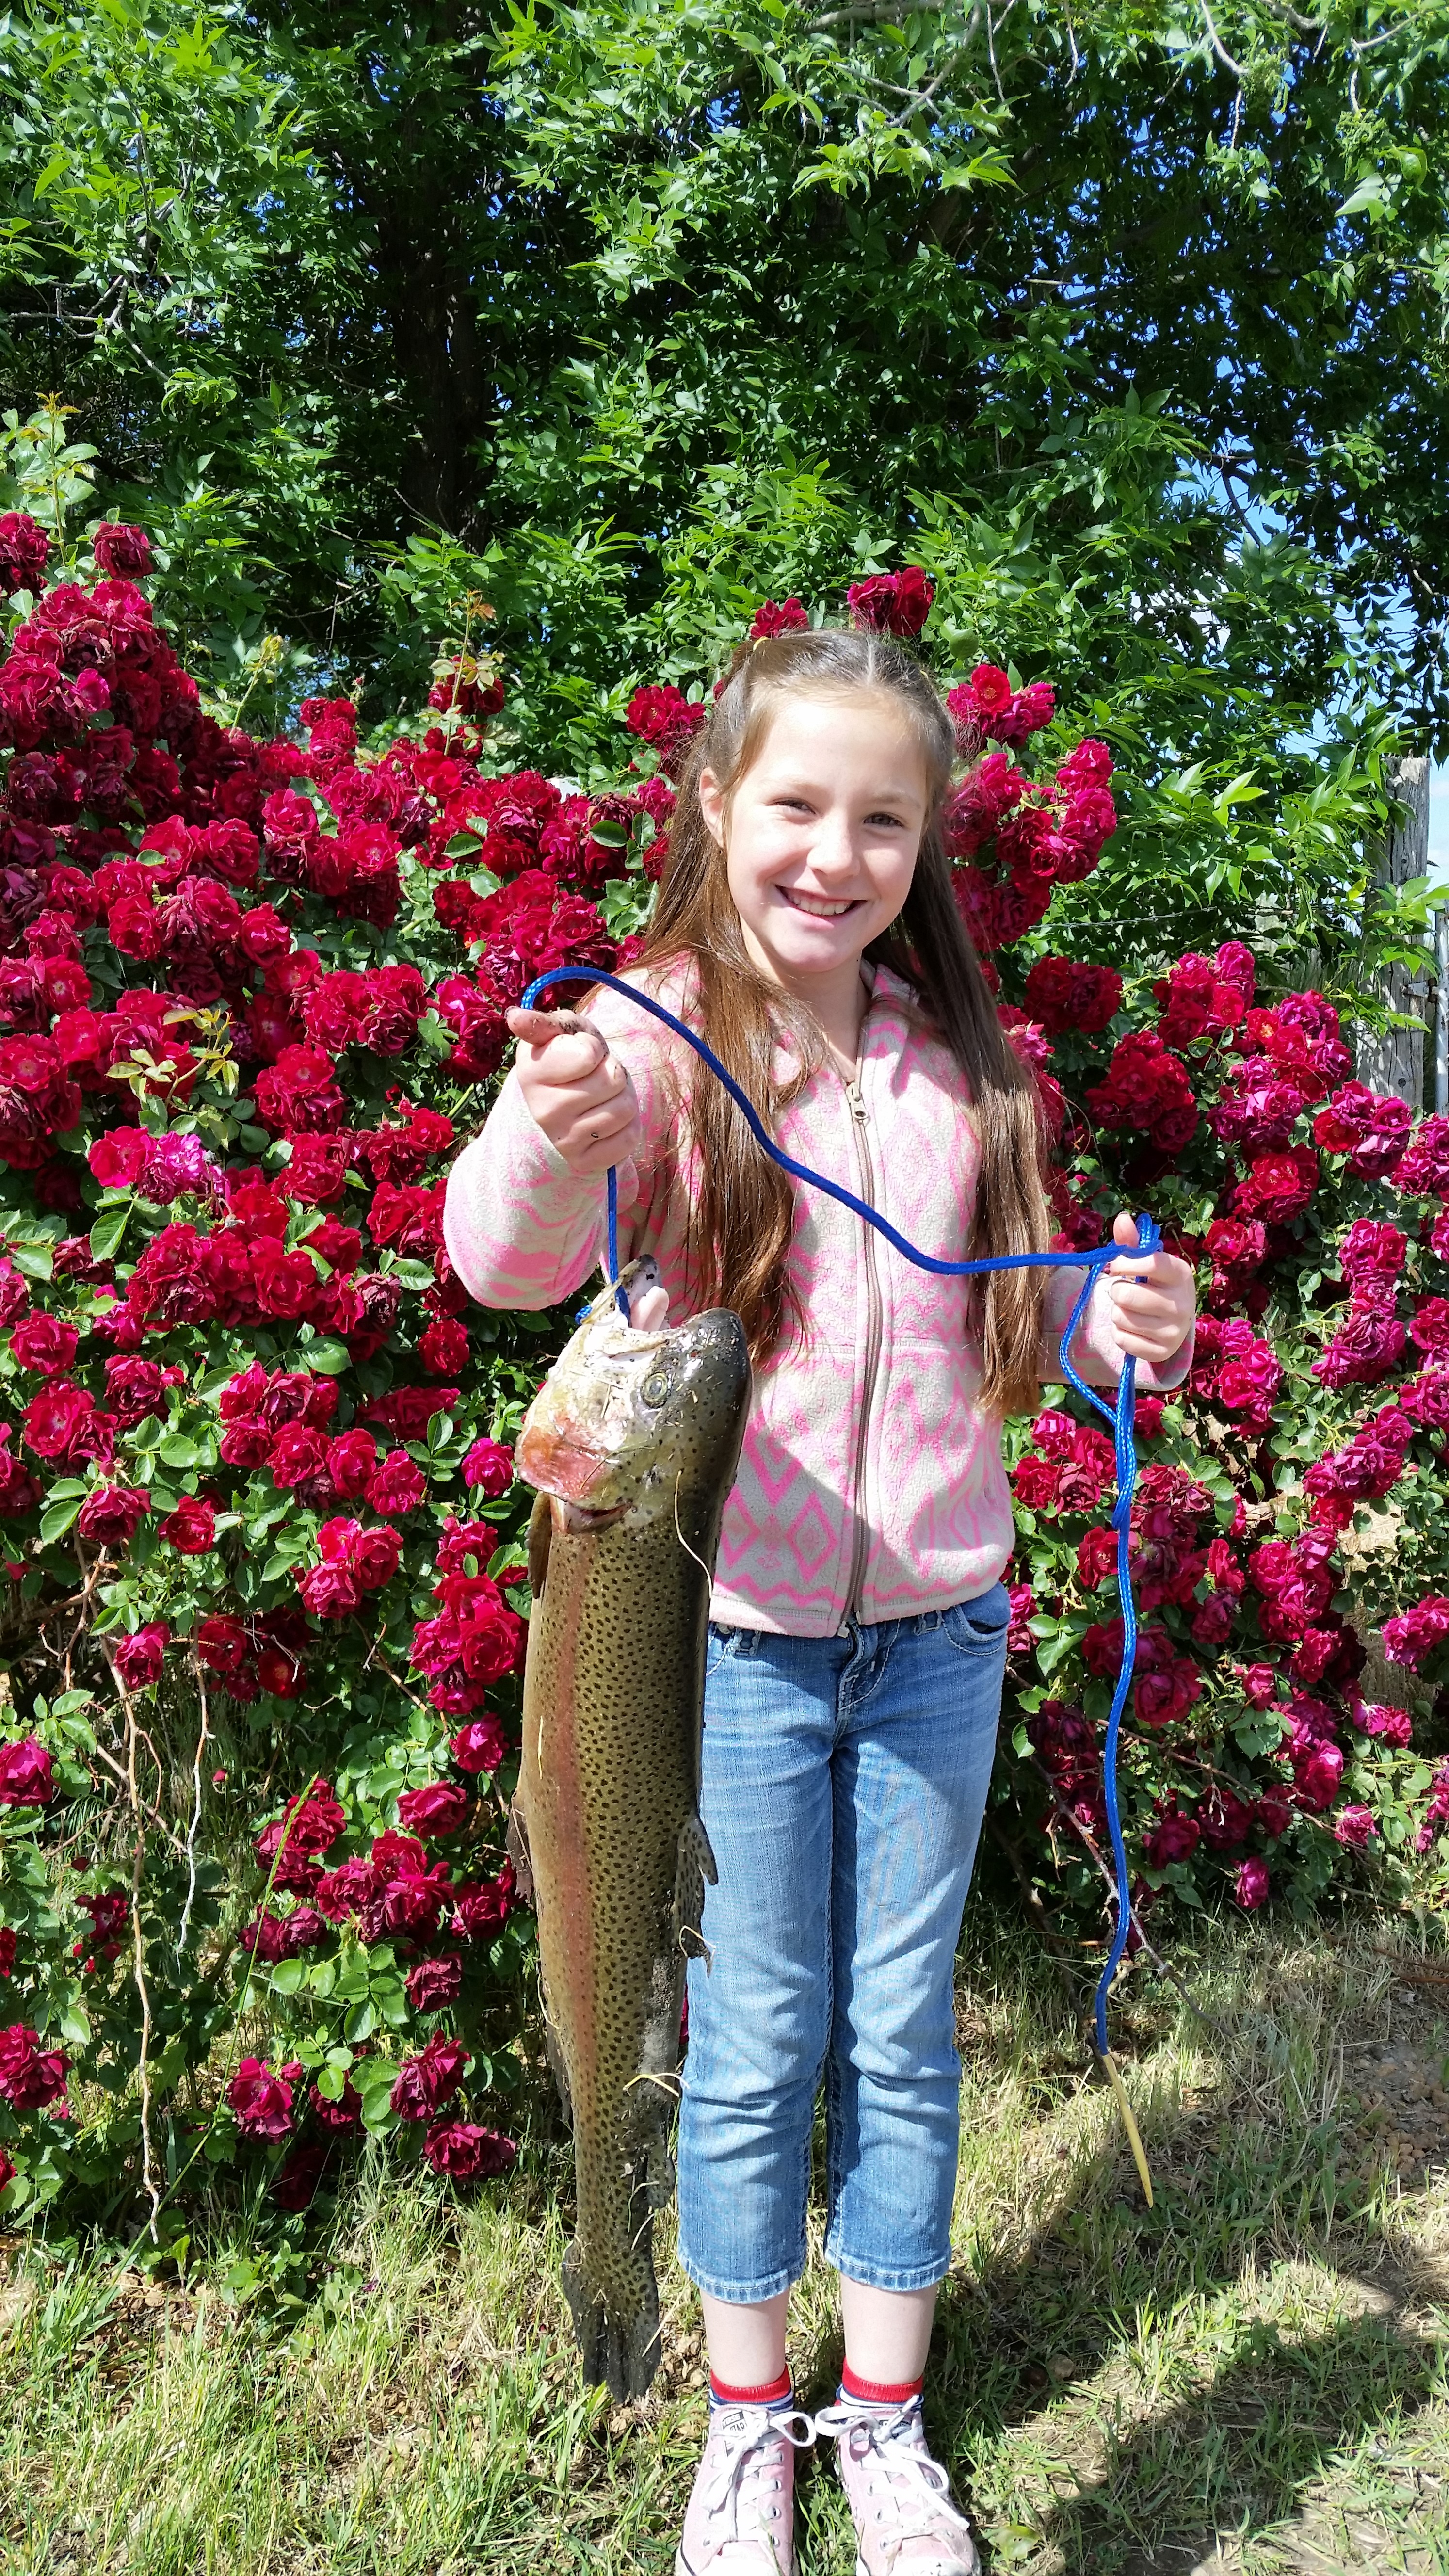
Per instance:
{"type": "Point", "coordinates": [887, 2440]}
{"type": "Point", "coordinates": [740, 2433]}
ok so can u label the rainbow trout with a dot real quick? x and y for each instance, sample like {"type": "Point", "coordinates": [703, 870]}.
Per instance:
{"type": "Point", "coordinates": [632, 1443]}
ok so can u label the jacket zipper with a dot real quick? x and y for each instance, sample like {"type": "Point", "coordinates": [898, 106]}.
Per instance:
{"type": "Point", "coordinates": [866, 1173]}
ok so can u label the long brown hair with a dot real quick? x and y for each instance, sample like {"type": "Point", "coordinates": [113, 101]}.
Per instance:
{"type": "Point", "coordinates": [746, 1204]}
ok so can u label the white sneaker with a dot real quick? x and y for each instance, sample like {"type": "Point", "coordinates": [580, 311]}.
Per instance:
{"type": "Point", "coordinates": [740, 2519]}
{"type": "Point", "coordinates": [899, 2496]}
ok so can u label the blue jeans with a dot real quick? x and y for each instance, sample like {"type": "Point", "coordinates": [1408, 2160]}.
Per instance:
{"type": "Point", "coordinates": [844, 1783]}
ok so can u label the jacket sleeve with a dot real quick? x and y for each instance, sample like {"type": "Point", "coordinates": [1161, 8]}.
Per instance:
{"type": "Point", "coordinates": [519, 1229]}
{"type": "Point", "coordinates": [1096, 1352]}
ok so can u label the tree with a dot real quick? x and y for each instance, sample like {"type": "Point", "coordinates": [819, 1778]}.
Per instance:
{"type": "Point", "coordinates": [625, 315]}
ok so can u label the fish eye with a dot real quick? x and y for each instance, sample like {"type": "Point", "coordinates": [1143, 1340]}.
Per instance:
{"type": "Point", "coordinates": [655, 1388]}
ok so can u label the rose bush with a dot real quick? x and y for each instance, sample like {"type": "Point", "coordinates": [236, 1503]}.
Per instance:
{"type": "Point", "coordinates": [265, 1596]}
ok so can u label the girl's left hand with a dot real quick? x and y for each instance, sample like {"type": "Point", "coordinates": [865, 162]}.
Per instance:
{"type": "Point", "coordinates": [1154, 1301]}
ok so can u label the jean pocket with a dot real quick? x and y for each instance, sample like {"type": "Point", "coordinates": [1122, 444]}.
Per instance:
{"type": "Point", "coordinates": [722, 1644]}
{"type": "Point", "coordinates": [979, 1627]}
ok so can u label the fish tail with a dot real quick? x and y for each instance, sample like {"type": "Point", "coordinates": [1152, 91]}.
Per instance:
{"type": "Point", "coordinates": [619, 2350]}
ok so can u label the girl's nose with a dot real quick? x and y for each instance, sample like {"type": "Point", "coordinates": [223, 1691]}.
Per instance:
{"type": "Point", "coordinates": [832, 848]}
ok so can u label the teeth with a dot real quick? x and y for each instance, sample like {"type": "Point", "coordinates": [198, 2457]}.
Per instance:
{"type": "Point", "coordinates": [817, 904]}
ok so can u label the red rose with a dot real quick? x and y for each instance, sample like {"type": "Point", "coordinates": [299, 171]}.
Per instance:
{"type": "Point", "coordinates": [298, 1094]}
{"type": "Point", "coordinates": [425, 2082]}
{"type": "Point", "coordinates": [310, 1822]}
{"type": "Point", "coordinates": [111, 1514]}
{"type": "Point", "coordinates": [779, 617]}
{"type": "Point", "coordinates": [344, 2113]}
{"type": "Point", "coordinates": [24, 552]}
{"type": "Point", "coordinates": [119, 1158]}
{"type": "Point", "coordinates": [409, 1409]}
{"type": "Point", "coordinates": [121, 551]}
{"type": "Point", "coordinates": [1061, 996]}
{"type": "Point", "coordinates": [31, 2077]}
{"type": "Point", "coordinates": [1279, 1186]}
{"type": "Point", "coordinates": [488, 1468]}
{"type": "Point", "coordinates": [294, 2185]}
{"type": "Point", "coordinates": [25, 1774]}
{"type": "Point", "coordinates": [378, 1555]}
{"type": "Point", "coordinates": [484, 1906]}
{"type": "Point", "coordinates": [465, 2152]}
{"type": "Point", "coordinates": [261, 2100]}
{"type": "Point", "coordinates": [138, 1659]}
{"type": "Point", "coordinates": [221, 1645]}
{"type": "Point", "coordinates": [480, 1746]}
{"type": "Point", "coordinates": [280, 1673]}
{"type": "Point", "coordinates": [1252, 1886]}
{"type": "Point", "coordinates": [397, 1486]}
{"type": "Point", "coordinates": [351, 1459]}
{"type": "Point", "coordinates": [191, 1528]}
{"type": "Point", "coordinates": [441, 1808]}
{"type": "Point", "coordinates": [330, 1591]}
{"type": "Point", "coordinates": [1174, 1838]}
{"type": "Point", "coordinates": [45, 1344]}
{"type": "Point", "coordinates": [435, 1983]}
{"type": "Point", "coordinates": [444, 1347]}
{"type": "Point", "coordinates": [892, 603]}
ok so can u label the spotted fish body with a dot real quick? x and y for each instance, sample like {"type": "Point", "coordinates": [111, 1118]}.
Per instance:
{"type": "Point", "coordinates": [632, 1443]}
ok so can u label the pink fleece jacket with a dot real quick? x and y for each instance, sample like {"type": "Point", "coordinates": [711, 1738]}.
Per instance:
{"type": "Point", "coordinates": [871, 1485]}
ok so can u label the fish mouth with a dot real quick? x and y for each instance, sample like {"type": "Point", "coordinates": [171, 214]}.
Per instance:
{"type": "Point", "coordinates": [554, 1461]}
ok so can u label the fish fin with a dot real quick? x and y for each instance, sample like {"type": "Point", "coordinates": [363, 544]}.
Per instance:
{"type": "Point", "coordinates": [515, 1843]}
{"type": "Point", "coordinates": [695, 1866]}
{"type": "Point", "coordinates": [662, 2176]}
{"type": "Point", "coordinates": [560, 2070]}
{"type": "Point", "coordinates": [540, 1540]}
{"type": "Point", "coordinates": [617, 2354]}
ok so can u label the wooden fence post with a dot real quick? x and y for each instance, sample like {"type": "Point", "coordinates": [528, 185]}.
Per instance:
{"type": "Point", "coordinates": [1393, 1060]}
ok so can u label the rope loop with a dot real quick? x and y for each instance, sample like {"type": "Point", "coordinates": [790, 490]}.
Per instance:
{"type": "Point", "coordinates": [1121, 1414]}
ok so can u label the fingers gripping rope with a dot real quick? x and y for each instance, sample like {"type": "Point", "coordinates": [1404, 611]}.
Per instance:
{"type": "Point", "coordinates": [1121, 1415]}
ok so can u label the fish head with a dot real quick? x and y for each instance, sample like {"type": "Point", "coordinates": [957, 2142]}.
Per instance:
{"type": "Point", "coordinates": [624, 1414]}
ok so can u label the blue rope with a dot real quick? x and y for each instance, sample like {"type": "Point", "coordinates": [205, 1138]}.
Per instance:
{"type": "Point", "coordinates": [1121, 1415]}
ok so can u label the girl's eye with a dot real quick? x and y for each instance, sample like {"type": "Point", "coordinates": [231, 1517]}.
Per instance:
{"type": "Point", "coordinates": [892, 820]}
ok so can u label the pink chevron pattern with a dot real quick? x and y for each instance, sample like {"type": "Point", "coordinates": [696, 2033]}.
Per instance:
{"type": "Point", "coordinates": [521, 1231]}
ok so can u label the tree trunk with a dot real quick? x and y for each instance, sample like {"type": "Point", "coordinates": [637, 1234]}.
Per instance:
{"type": "Point", "coordinates": [1393, 1060]}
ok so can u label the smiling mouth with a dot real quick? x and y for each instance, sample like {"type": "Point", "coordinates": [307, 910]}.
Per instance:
{"type": "Point", "coordinates": [819, 907]}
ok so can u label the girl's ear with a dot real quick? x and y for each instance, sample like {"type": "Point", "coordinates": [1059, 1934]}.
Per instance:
{"type": "Point", "coordinates": [712, 805]}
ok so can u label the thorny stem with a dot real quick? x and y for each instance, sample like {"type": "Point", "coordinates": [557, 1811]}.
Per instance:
{"type": "Point", "coordinates": [138, 1940]}
{"type": "Point", "coordinates": [199, 2149]}
{"type": "Point", "coordinates": [201, 1743]}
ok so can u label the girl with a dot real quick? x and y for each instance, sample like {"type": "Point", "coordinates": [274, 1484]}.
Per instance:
{"type": "Point", "coordinates": [805, 925]}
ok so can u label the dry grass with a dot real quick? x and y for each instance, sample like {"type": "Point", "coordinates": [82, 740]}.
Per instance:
{"type": "Point", "coordinates": [1252, 2376]}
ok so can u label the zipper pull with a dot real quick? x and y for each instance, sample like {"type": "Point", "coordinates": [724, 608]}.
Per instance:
{"type": "Point", "coordinates": [856, 1099]}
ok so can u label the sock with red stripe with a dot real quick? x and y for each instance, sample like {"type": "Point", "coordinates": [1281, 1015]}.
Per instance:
{"type": "Point", "coordinates": [770, 2392]}
{"type": "Point", "coordinates": [885, 2393]}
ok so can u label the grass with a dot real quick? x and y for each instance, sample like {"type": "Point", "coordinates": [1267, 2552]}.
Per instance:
{"type": "Point", "coordinates": [1252, 2376]}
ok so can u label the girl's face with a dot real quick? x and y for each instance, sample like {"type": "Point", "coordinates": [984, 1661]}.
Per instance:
{"type": "Point", "coordinates": [821, 835]}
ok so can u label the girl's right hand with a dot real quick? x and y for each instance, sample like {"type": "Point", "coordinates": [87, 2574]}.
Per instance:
{"type": "Point", "coordinates": [576, 1091]}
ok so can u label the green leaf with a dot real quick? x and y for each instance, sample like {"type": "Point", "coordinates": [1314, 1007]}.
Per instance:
{"type": "Point", "coordinates": [55, 1522]}
{"type": "Point", "coordinates": [106, 1233]}
{"type": "Point", "coordinates": [179, 1451]}
{"type": "Point", "coordinates": [287, 1976]}
{"type": "Point", "coordinates": [329, 1359]}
